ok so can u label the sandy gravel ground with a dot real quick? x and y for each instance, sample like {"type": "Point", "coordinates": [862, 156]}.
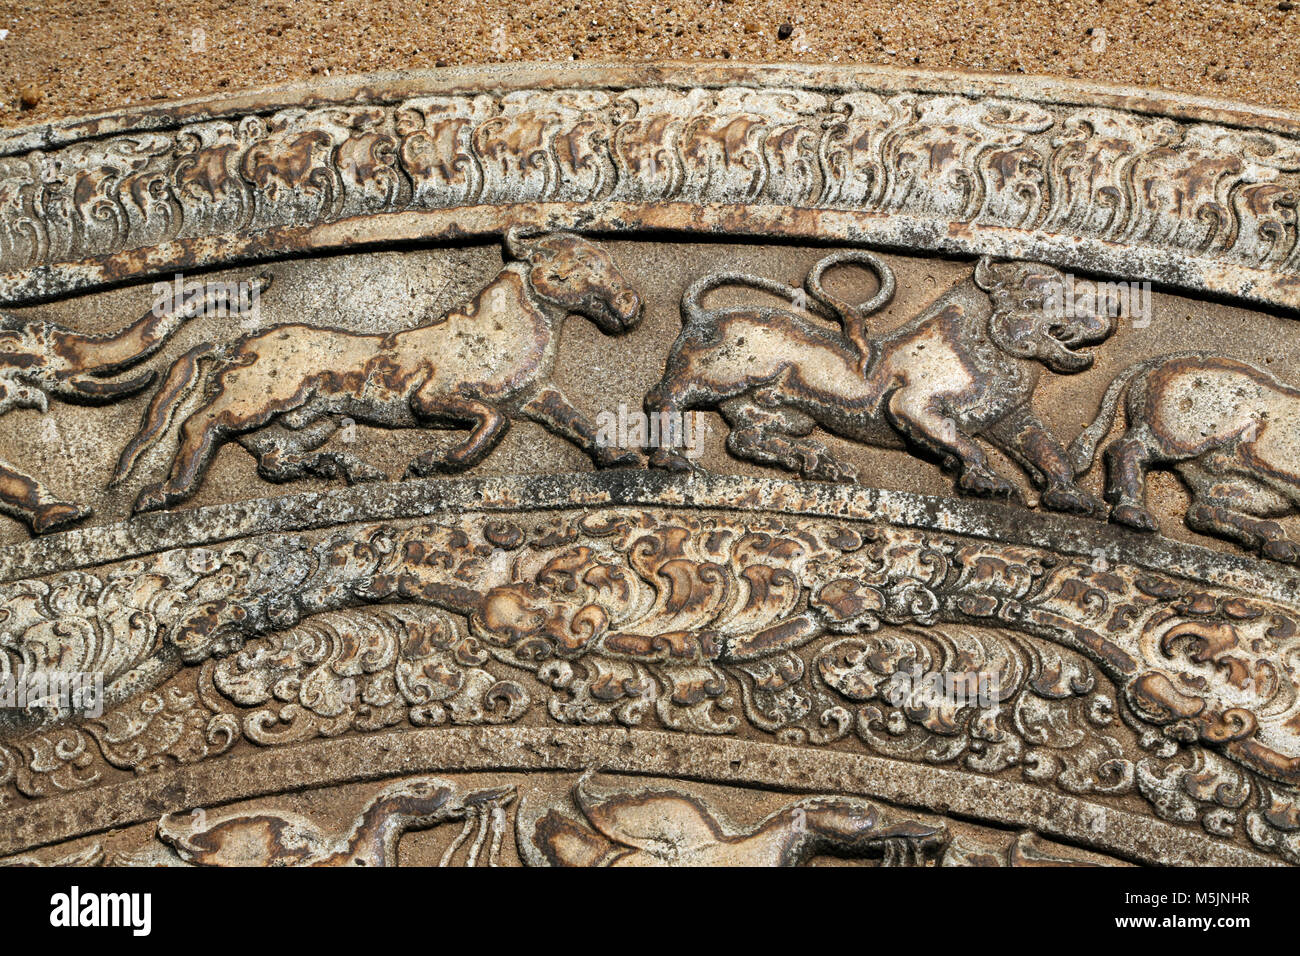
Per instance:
{"type": "Point", "coordinates": [66, 57]}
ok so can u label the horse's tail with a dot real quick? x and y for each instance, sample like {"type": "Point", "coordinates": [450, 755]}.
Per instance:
{"type": "Point", "coordinates": [182, 377]}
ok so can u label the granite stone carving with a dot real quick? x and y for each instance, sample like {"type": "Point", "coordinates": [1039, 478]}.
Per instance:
{"type": "Point", "coordinates": [919, 486]}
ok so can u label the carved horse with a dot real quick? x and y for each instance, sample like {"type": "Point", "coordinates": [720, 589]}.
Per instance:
{"type": "Point", "coordinates": [281, 392]}
{"type": "Point", "coordinates": [966, 367]}
{"type": "Point", "coordinates": [40, 359]}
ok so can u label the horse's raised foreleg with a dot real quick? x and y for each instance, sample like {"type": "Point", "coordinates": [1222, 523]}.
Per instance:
{"type": "Point", "coordinates": [1028, 442]}
{"type": "Point", "coordinates": [201, 437]}
{"type": "Point", "coordinates": [550, 409]}
{"type": "Point", "coordinates": [25, 498]}
{"type": "Point", "coordinates": [487, 423]}
{"type": "Point", "coordinates": [286, 454]}
{"type": "Point", "coordinates": [915, 415]}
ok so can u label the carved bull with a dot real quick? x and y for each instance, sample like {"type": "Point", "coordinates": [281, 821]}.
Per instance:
{"type": "Point", "coordinates": [966, 367]}
{"type": "Point", "coordinates": [282, 392]}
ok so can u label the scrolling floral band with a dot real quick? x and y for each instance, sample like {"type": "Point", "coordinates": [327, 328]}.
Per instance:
{"type": "Point", "coordinates": [1118, 188]}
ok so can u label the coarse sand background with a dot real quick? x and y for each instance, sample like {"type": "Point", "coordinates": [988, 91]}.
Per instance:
{"type": "Point", "coordinates": [68, 57]}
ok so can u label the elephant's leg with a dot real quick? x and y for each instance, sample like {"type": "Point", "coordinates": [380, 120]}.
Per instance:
{"type": "Point", "coordinates": [1267, 537]}
{"type": "Point", "coordinates": [1127, 460]}
{"type": "Point", "coordinates": [1028, 442]}
{"type": "Point", "coordinates": [25, 498]}
{"type": "Point", "coordinates": [289, 453]}
{"type": "Point", "coordinates": [488, 426]}
{"type": "Point", "coordinates": [550, 409]}
{"type": "Point", "coordinates": [916, 417]}
{"type": "Point", "coordinates": [778, 436]}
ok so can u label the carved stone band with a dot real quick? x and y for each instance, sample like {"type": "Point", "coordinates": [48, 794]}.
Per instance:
{"type": "Point", "coordinates": [753, 465]}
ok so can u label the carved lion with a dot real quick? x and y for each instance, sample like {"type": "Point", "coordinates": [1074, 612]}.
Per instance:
{"type": "Point", "coordinates": [966, 367]}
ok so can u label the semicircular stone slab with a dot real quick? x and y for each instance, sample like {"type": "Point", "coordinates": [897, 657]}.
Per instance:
{"type": "Point", "coordinates": [752, 465]}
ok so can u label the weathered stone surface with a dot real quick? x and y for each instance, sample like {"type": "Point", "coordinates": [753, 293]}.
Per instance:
{"type": "Point", "coordinates": [740, 472]}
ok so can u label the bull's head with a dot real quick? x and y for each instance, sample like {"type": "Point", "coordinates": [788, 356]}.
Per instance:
{"type": "Point", "coordinates": [578, 276]}
{"type": "Point", "coordinates": [1033, 316]}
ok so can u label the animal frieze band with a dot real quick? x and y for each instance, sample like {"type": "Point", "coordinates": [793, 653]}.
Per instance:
{"type": "Point", "coordinates": [914, 458]}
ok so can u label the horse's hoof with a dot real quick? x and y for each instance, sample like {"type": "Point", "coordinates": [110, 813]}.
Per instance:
{"type": "Point", "coordinates": [1134, 516]}
{"type": "Point", "coordinates": [151, 499]}
{"type": "Point", "coordinates": [58, 514]}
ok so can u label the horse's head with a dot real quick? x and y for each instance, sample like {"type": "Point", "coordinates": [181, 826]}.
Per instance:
{"type": "Point", "coordinates": [579, 276]}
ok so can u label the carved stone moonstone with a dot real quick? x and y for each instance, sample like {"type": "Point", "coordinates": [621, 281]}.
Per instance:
{"type": "Point", "coordinates": [678, 466]}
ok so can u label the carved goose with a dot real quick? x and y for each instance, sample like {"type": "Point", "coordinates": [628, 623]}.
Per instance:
{"type": "Point", "coordinates": [669, 828]}
{"type": "Point", "coordinates": [276, 838]}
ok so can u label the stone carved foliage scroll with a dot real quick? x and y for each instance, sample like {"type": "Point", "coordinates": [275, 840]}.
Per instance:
{"type": "Point", "coordinates": [1184, 187]}
{"type": "Point", "coordinates": [694, 622]}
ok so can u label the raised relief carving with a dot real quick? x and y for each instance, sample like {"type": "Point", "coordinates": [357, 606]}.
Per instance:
{"type": "Point", "coordinates": [277, 838]}
{"type": "Point", "coordinates": [282, 392]}
{"type": "Point", "coordinates": [1226, 427]}
{"type": "Point", "coordinates": [965, 368]}
{"type": "Point", "coordinates": [40, 360]}
{"type": "Point", "coordinates": [855, 658]}
{"type": "Point", "coordinates": [655, 827]}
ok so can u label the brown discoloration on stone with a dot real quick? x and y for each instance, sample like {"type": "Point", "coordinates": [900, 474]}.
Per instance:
{"type": "Point", "coordinates": [1228, 429]}
{"type": "Point", "coordinates": [281, 392]}
{"type": "Point", "coordinates": [39, 360]}
{"type": "Point", "coordinates": [280, 839]}
{"type": "Point", "coordinates": [965, 367]}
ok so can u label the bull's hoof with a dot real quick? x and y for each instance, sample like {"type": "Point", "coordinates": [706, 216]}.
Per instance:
{"type": "Point", "coordinates": [1281, 549]}
{"type": "Point", "coordinates": [986, 484]}
{"type": "Point", "coordinates": [58, 514]}
{"type": "Point", "coordinates": [630, 459]}
{"type": "Point", "coordinates": [1135, 516]}
{"type": "Point", "coordinates": [828, 468]}
{"type": "Point", "coordinates": [1072, 500]}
